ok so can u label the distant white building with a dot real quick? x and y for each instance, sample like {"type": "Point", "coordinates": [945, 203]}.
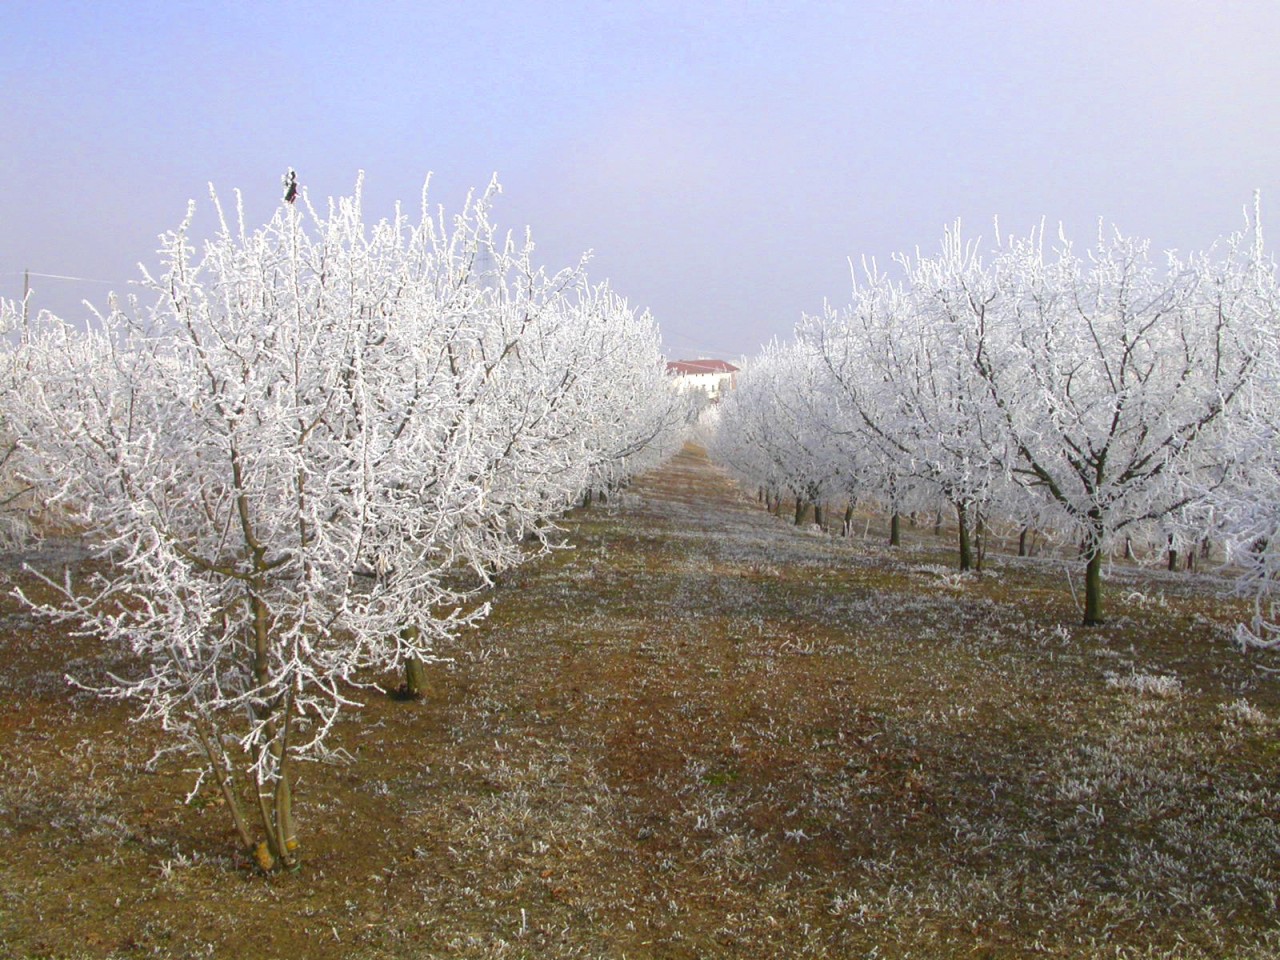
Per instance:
{"type": "Point", "coordinates": [711, 377]}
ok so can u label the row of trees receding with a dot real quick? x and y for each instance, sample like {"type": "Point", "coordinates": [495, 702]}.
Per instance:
{"type": "Point", "coordinates": [307, 453]}
{"type": "Point", "coordinates": [1097, 397]}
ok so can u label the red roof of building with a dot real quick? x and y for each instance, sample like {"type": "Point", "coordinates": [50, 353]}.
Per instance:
{"type": "Point", "coordinates": [686, 367]}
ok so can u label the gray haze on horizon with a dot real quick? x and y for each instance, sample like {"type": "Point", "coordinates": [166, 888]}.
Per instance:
{"type": "Point", "coordinates": [723, 161]}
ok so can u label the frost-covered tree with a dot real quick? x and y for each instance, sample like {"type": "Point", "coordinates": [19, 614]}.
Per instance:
{"type": "Point", "coordinates": [1249, 507]}
{"type": "Point", "coordinates": [229, 447]}
{"type": "Point", "coordinates": [15, 500]}
{"type": "Point", "coordinates": [1107, 372]}
{"type": "Point", "coordinates": [1242, 491]}
{"type": "Point", "coordinates": [630, 417]}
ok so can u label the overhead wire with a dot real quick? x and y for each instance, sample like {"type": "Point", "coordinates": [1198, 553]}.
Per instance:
{"type": "Point", "coordinates": [58, 276]}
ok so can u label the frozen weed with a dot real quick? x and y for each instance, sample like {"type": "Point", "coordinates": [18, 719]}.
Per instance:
{"type": "Point", "coordinates": [1244, 713]}
{"type": "Point", "coordinates": [1164, 686]}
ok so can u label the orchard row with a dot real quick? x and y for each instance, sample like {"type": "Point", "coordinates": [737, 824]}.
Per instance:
{"type": "Point", "coordinates": [1100, 397]}
{"type": "Point", "coordinates": [307, 453]}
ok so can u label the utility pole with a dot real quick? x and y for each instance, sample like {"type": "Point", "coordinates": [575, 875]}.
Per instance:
{"type": "Point", "coordinates": [26, 322]}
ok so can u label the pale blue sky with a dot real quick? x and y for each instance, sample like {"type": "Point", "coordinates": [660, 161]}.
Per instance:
{"type": "Point", "coordinates": [722, 160]}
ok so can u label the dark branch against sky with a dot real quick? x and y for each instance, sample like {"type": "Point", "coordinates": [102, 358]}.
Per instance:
{"type": "Point", "coordinates": [723, 161]}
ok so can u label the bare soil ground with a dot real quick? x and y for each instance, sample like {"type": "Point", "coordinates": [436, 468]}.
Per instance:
{"type": "Point", "coordinates": [702, 732]}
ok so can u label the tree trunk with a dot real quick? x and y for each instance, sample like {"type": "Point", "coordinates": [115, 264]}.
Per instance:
{"type": "Point", "coordinates": [1022, 541]}
{"type": "Point", "coordinates": [276, 806]}
{"type": "Point", "coordinates": [415, 678]}
{"type": "Point", "coordinates": [225, 779]}
{"type": "Point", "coordinates": [800, 508]}
{"type": "Point", "coordinates": [895, 529]}
{"type": "Point", "coordinates": [286, 835]}
{"type": "Point", "coordinates": [966, 548]}
{"type": "Point", "coordinates": [818, 513]}
{"type": "Point", "coordinates": [848, 519]}
{"type": "Point", "coordinates": [1093, 588]}
{"type": "Point", "coordinates": [415, 671]}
